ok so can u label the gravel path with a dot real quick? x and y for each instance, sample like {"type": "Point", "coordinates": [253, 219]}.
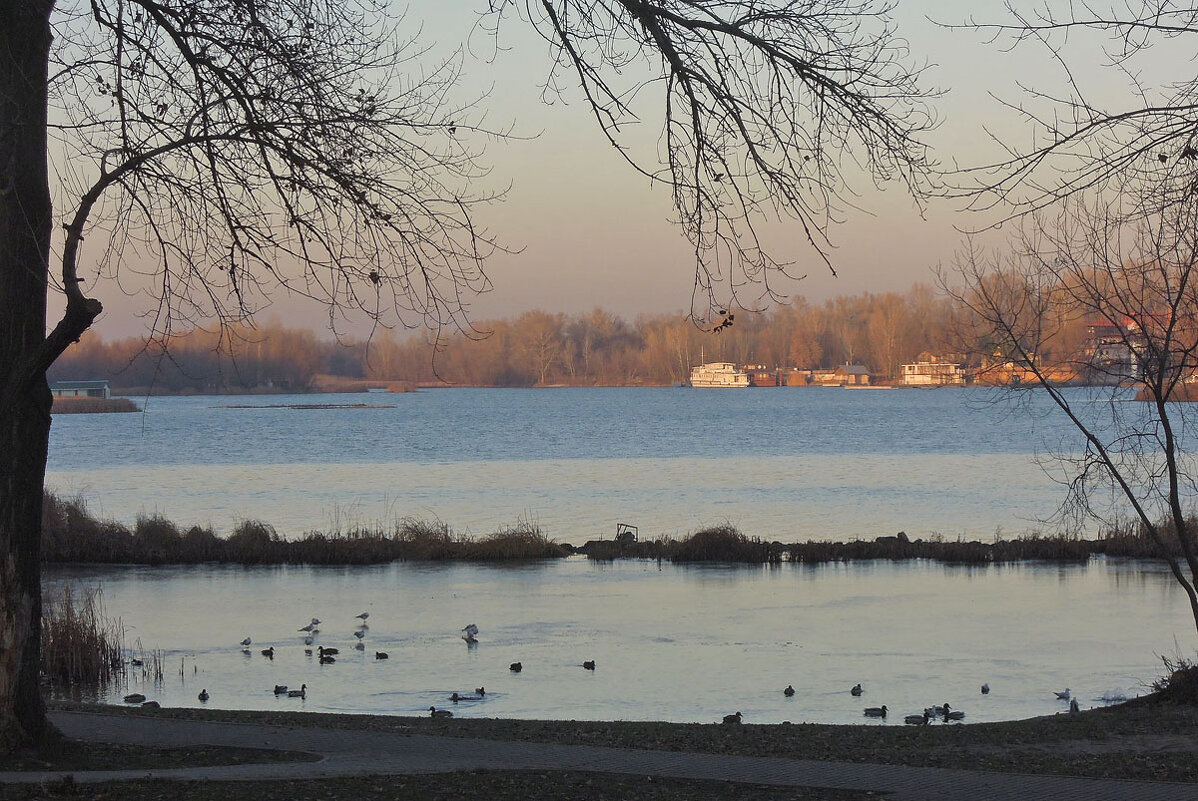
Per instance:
{"type": "Point", "coordinates": [361, 753]}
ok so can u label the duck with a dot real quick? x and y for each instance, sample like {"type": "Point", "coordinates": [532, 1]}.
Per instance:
{"type": "Point", "coordinates": [134, 698]}
{"type": "Point", "coordinates": [433, 712]}
{"type": "Point", "coordinates": [876, 711]}
{"type": "Point", "coordinates": [733, 719]}
{"type": "Point", "coordinates": [515, 667]}
{"type": "Point", "coordinates": [481, 691]}
{"type": "Point", "coordinates": [203, 696]}
{"type": "Point", "coordinates": [381, 655]}
{"type": "Point", "coordinates": [327, 651]}
{"type": "Point", "coordinates": [985, 689]}
{"type": "Point", "coordinates": [280, 689]}
{"type": "Point", "coordinates": [150, 705]}
{"type": "Point", "coordinates": [857, 690]}
{"type": "Point", "coordinates": [302, 692]}
{"type": "Point", "coordinates": [954, 714]}
{"type": "Point", "coordinates": [939, 710]}
{"type": "Point", "coordinates": [789, 691]}
{"type": "Point", "coordinates": [135, 662]}
{"type": "Point", "coordinates": [589, 664]}
{"type": "Point", "coordinates": [470, 634]}
{"type": "Point", "coordinates": [1062, 696]}
{"type": "Point", "coordinates": [269, 653]}
{"type": "Point", "coordinates": [917, 720]}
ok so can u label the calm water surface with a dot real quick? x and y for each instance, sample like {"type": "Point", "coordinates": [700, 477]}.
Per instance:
{"type": "Point", "coordinates": [671, 643]}
{"type": "Point", "coordinates": [780, 464]}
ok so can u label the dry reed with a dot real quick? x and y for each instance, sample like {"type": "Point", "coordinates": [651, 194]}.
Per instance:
{"type": "Point", "coordinates": [80, 644]}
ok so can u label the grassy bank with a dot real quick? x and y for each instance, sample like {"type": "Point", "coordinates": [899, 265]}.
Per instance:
{"type": "Point", "coordinates": [72, 534]}
{"type": "Point", "coordinates": [92, 405]}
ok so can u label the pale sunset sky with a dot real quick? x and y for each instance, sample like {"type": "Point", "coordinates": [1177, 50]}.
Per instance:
{"type": "Point", "coordinates": [594, 233]}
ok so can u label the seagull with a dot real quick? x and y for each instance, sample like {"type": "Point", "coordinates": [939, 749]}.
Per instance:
{"type": "Point", "coordinates": [311, 627]}
{"type": "Point", "coordinates": [789, 691]}
{"type": "Point", "coordinates": [732, 719]}
{"type": "Point", "coordinates": [203, 696]}
{"type": "Point", "coordinates": [302, 692]}
{"type": "Point", "coordinates": [856, 689]}
{"type": "Point", "coordinates": [315, 621]}
{"type": "Point", "coordinates": [433, 712]}
{"type": "Point", "coordinates": [363, 616]}
{"type": "Point", "coordinates": [246, 642]}
{"type": "Point", "coordinates": [470, 634]}
{"type": "Point", "coordinates": [985, 689]}
{"type": "Point", "coordinates": [359, 634]}
{"type": "Point", "coordinates": [1065, 696]}
{"type": "Point", "coordinates": [876, 711]}
{"type": "Point", "coordinates": [939, 711]}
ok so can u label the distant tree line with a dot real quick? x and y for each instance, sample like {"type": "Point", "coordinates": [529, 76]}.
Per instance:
{"type": "Point", "coordinates": [536, 348]}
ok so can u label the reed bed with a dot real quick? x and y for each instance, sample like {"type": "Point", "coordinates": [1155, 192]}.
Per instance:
{"type": "Point", "coordinates": [93, 405]}
{"type": "Point", "coordinates": [80, 644]}
{"type": "Point", "coordinates": [72, 534]}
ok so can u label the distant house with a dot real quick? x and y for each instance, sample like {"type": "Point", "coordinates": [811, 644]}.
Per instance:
{"type": "Point", "coordinates": [80, 389]}
{"type": "Point", "coordinates": [853, 375]}
{"type": "Point", "coordinates": [932, 373]}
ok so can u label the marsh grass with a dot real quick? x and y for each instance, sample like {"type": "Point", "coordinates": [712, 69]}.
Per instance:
{"type": "Point", "coordinates": [723, 543]}
{"type": "Point", "coordinates": [80, 643]}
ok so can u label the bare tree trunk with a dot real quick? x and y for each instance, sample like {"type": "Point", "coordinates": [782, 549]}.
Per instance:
{"type": "Point", "coordinates": [25, 228]}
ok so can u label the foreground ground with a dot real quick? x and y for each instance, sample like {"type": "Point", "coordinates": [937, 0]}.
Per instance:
{"type": "Point", "coordinates": [1145, 742]}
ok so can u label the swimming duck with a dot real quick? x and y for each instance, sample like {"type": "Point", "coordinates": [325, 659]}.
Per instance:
{"type": "Point", "coordinates": [857, 690]}
{"type": "Point", "coordinates": [280, 689]}
{"type": "Point", "coordinates": [732, 719]}
{"type": "Point", "coordinates": [481, 691]}
{"type": "Point", "coordinates": [134, 698]}
{"type": "Point", "coordinates": [876, 711]}
{"type": "Point", "coordinates": [789, 691]}
{"type": "Point", "coordinates": [985, 689]}
{"type": "Point", "coordinates": [150, 705]}
{"type": "Point", "coordinates": [515, 667]}
{"type": "Point", "coordinates": [269, 653]}
{"type": "Point", "coordinates": [439, 713]}
{"type": "Point", "coordinates": [917, 720]}
{"type": "Point", "coordinates": [381, 655]}
{"type": "Point", "coordinates": [203, 696]}
{"type": "Point", "coordinates": [302, 692]}
{"type": "Point", "coordinates": [135, 662]}
{"type": "Point", "coordinates": [327, 651]}
{"type": "Point", "coordinates": [954, 714]}
{"type": "Point", "coordinates": [589, 664]}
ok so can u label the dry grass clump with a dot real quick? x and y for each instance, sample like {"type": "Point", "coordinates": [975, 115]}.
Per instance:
{"type": "Point", "coordinates": [93, 405]}
{"type": "Point", "coordinates": [522, 541]}
{"type": "Point", "coordinates": [80, 644]}
{"type": "Point", "coordinates": [723, 543]}
{"type": "Point", "coordinates": [425, 540]}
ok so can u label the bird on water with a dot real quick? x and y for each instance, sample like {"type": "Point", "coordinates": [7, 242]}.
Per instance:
{"type": "Point", "coordinates": [876, 711]}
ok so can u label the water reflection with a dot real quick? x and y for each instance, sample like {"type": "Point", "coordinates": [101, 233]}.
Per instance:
{"type": "Point", "coordinates": [682, 643]}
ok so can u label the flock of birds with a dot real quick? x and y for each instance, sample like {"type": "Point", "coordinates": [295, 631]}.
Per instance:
{"type": "Point", "coordinates": [937, 711]}
{"type": "Point", "coordinates": [470, 634]}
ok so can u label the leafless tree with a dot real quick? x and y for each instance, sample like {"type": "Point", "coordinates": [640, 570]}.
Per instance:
{"type": "Point", "coordinates": [1131, 279]}
{"type": "Point", "coordinates": [225, 147]}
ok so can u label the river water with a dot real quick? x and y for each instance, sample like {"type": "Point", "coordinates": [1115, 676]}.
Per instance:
{"type": "Point", "coordinates": [681, 643]}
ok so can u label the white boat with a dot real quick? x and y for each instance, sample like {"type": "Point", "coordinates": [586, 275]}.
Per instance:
{"type": "Point", "coordinates": [718, 374]}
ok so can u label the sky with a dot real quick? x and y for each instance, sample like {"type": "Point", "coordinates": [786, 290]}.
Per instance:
{"type": "Point", "coordinates": [590, 232]}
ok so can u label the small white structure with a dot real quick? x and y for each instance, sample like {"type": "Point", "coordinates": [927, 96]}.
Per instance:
{"type": "Point", "coordinates": [80, 389]}
{"type": "Point", "coordinates": [933, 374]}
{"type": "Point", "coordinates": [718, 374]}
